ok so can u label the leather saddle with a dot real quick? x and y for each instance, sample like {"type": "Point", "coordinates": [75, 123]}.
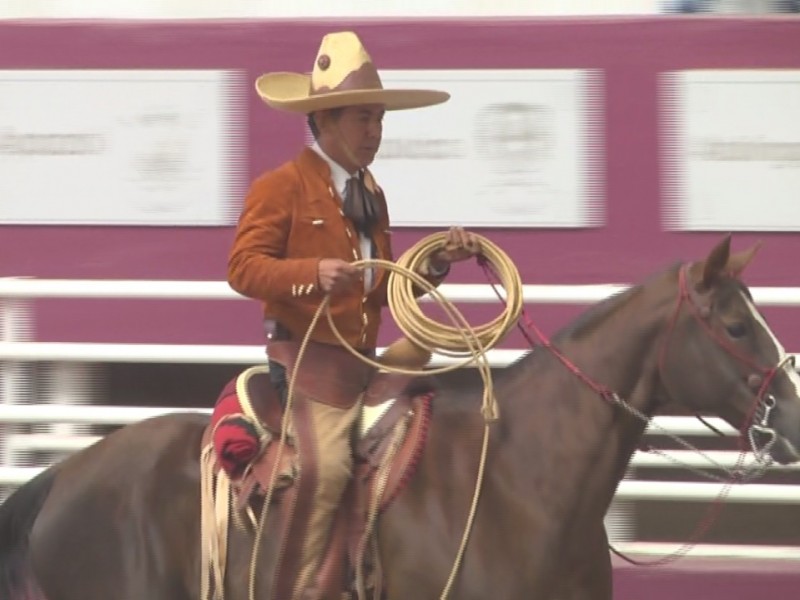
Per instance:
{"type": "Point", "coordinates": [246, 429]}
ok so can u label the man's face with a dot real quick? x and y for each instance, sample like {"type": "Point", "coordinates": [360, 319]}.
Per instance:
{"type": "Point", "coordinates": [352, 135]}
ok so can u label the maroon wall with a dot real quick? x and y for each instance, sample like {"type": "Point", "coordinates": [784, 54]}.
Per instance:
{"type": "Point", "coordinates": [631, 52]}
{"type": "Point", "coordinates": [707, 579]}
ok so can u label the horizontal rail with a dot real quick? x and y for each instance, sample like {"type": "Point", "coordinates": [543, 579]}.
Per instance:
{"type": "Point", "coordinates": [216, 290]}
{"type": "Point", "coordinates": [135, 353]}
{"type": "Point", "coordinates": [124, 415]}
{"type": "Point", "coordinates": [42, 442]}
{"type": "Point", "coordinates": [17, 476]}
{"type": "Point", "coordinates": [688, 426]}
{"type": "Point", "coordinates": [186, 353]}
{"type": "Point", "coordinates": [120, 289]}
{"type": "Point", "coordinates": [674, 459]}
{"type": "Point", "coordinates": [687, 491]}
{"type": "Point", "coordinates": [628, 489]}
{"type": "Point", "coordinates": [178, 353]}
{"type": "Point", "coordinates": [789, 554]}
{"type": "Point", "coordinates": [31, 288]}
{"type": "Point", "coordinates": [86, 413]}
{"type": "Point", "coordinates": [677, 459]}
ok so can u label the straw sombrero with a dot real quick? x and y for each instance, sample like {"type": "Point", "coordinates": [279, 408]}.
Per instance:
{"type": "Point", "coordinates": [343, 75]}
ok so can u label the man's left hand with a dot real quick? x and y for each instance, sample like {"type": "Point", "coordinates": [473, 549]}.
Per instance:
{"type": "Point", "coordinates": [459, 245]}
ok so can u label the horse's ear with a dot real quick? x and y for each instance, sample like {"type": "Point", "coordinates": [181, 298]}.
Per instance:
{"type": "Point", "coordinates": [714, 266]}
{"type": "Point", "coordinates": [739, 261]}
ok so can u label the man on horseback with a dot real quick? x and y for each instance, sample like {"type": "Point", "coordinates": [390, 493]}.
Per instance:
{"type": "Point", "coordinates": [301, 227]}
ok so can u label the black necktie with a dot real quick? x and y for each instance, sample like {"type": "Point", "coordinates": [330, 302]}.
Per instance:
{"type": "Point", "coordinates": [360, 205]}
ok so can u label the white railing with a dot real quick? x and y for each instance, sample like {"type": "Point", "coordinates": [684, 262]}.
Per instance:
{"type": "Point", "coordinates": [160, 10]}
{"type": "Point", "coordinates": [31, 289]}
{"type": "Point", "coordinates": [629, 490]}
{"type": "Point", "coordinates": [28, 288]}
{"type": "Point", "coordinates": [22, 351]}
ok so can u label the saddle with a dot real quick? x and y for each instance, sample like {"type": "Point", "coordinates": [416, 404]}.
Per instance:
{"type": "Point", "coordinates": [245, 432]}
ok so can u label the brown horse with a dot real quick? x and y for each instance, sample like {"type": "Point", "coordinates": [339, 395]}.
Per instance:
{"type": "Point", "coordinates": [121, 518]}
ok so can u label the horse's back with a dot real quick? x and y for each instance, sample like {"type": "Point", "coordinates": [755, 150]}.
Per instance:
{"type": "Point", "coordinates": [122, 517]}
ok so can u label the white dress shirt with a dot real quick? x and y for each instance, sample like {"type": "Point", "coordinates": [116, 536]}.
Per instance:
{"type": "Point", "coordinates": [340, 176]}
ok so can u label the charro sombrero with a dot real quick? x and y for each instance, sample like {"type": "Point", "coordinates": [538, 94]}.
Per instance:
{"type": "Point", "coordinates": [343, 75]}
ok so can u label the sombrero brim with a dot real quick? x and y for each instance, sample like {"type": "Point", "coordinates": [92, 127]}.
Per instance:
{"type": "Point", "coordinates": [290, 92]}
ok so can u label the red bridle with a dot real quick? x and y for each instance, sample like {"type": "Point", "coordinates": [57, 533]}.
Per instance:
{"type": "Point", "coordinates": [759, 381]}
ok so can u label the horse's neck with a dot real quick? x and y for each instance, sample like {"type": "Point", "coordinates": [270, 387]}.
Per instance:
{"type": "Point", "coordinates": [566, 424]}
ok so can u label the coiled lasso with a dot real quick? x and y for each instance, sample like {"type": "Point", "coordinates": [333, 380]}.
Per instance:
{"type": "Point", "coordinates": [423, 336]}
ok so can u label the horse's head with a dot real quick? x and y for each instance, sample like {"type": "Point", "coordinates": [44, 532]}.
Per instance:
{"type": "Point", "coordinates": [721, 357]}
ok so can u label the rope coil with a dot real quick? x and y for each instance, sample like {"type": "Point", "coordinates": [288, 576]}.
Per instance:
{"type": "Point", "coordinates": [460, 340]}
{"type": "Point", "coordinates": [445, 339]}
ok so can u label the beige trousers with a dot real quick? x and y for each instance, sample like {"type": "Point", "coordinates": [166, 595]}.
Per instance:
{"type": "Point", "coordinates": [332, 431]}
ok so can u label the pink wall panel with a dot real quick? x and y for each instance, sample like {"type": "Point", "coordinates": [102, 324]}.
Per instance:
{"type": "Point", "coordinates": [630, 52]}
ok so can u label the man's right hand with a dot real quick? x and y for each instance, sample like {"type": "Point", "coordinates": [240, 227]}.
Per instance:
{"type": "Point", "coordinates": [336, 275]}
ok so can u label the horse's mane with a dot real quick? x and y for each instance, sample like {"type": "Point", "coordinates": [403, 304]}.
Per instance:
{"type": "Point", "coordinates": [593, 316]}
{"type": "Point", "coordinates": [583, 324]}
{"type": "Point", "coordinates": [588, 320]}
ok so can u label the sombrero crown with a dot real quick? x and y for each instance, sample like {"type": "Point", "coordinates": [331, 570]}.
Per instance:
{"type": "Point", "coordinates": [343, 75]}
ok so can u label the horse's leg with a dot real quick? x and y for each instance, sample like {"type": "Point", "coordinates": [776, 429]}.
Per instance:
{"type": "Point", "coordinates": [588, 575]}
{"type": "Point", "coordinates": [122, 520]}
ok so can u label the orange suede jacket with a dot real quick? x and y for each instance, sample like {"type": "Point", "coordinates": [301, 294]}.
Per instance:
{"type": "Point", "coordinates": [292, 219]}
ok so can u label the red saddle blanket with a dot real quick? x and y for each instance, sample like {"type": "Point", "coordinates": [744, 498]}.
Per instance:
{"type": "Point", "coordinates": [246, 419]}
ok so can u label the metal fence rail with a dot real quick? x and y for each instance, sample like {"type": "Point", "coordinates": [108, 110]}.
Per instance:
{"type": "Point", "coordinates": [16, 351]}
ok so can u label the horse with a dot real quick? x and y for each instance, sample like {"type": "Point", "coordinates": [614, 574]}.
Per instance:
{"type": "Point", "coordinates": [121, 519]}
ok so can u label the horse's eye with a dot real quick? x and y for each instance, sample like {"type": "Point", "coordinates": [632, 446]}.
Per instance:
{"type": "Point", "coordinates": [736, 330]}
